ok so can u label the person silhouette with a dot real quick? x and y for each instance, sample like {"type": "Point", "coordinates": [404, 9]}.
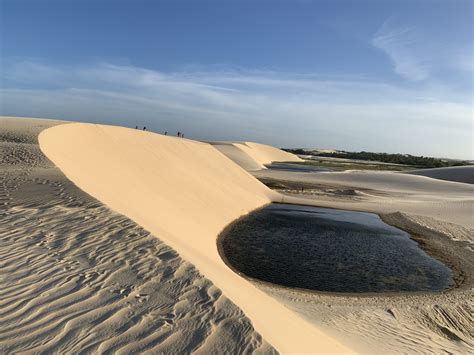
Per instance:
{"type": "Point", "coordinates": [166, 133]}
{"type": "Point", "coordinates": [144, 128]}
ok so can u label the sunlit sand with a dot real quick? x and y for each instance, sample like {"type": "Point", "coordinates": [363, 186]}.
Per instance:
{"type": "Point", "coordinates": [110, 243]}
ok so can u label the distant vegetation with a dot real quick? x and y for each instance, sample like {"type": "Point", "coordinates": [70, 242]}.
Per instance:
{"type": "Point", "coordinates": [405, 159]}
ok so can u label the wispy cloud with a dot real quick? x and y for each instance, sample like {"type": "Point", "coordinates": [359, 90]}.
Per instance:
{"type": "Point", "coordinates": [277, 108]}
{"type": "Point", "coordinates": [419, 57]}
{"type": "Point", "coordinates": [402, 46]}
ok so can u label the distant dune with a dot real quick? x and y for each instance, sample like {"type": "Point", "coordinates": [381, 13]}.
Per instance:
{"type": "Point", "coordinates": [457, 173]}
{"type": "Point", "coordinates": [388, 192]}
{"type": "Point", "coordinates": [253, 156]}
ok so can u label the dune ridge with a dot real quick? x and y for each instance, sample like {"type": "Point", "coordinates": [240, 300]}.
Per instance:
{"type": "Point", "coordinates": [185, 192]}
{"type": "Point", "coordinates": [253, 156]}
{"type": "Point", "coordinates": [463, 174]}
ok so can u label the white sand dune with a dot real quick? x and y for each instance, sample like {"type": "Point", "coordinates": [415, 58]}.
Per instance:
{"type": "Point", "coordinates": [185, 192]}
{"type": "Point", "coordinates": [76, 277]}
{"type": "Point", "coordinates": [253, 156]}
{"type": "Point", "coordinates": [457, 173]}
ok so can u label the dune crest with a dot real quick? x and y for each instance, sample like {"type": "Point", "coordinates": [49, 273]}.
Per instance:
{"type": "Point", "coordinates": [253, 156]}
{"type": "Point", "coordinates": [185, 192]}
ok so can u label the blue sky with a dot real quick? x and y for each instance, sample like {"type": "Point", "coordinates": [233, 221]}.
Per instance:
{"type": "Point", "coordinates": [393, 76]}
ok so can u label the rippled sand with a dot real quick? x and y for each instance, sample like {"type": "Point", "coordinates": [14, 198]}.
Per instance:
{"type": "Point", "coordinates": [78, 277]}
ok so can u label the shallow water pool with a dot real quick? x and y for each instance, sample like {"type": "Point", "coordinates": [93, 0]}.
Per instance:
{"type": "Point", "coordinates": [299, 168]}
{"type": "Point", "coordinates": [329, 250]}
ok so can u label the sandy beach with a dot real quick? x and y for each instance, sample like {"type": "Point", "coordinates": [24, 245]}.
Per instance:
{"type": "Point", "coordinates": [110, 244]}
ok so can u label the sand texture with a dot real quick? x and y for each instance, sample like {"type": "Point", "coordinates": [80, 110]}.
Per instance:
{"type": "Point", "coordinates": [185, 192]}
{"type": "Point", "coordinates": [254, 156]}
{"type": "Point", "coordinates": [78, 277]}
{"type": "Point", "coordinates": [457, 174]}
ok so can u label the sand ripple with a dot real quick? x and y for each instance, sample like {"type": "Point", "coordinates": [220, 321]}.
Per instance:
{"type": "Point", "coordinates": [75, 276]}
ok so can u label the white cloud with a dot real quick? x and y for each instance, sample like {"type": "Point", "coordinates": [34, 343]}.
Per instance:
{"type": "Point", "coordinates": [276, 108]}
{"type": "Point", "coordinates": [419, 57]}
{"type": "Point", "coordinates": [403, 46]}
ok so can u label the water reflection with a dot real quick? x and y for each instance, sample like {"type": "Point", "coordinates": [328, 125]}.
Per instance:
{"type": "Point", "coordinates": [330, 250]}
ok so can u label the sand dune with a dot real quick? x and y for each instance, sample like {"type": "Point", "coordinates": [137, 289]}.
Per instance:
{"type": "Point", "coordinates": [457, 174]}
{"type": "Point", "coordinates": [76, 277]}
{"type": "Point", "coordinates": [237, 155]}
{"type": "Point", "coordinates": [185, 192]}
{"type": "Point", "coordinates": [253, 156]}
{"type": "Point", "coordinates": [385, 192]}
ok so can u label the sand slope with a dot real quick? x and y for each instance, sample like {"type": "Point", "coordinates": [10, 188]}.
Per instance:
{"type": "Point", "coordinates": [76, 277]}
{"type": "Point", "coordinates": [185, 192]}
{"type": "Point", "coordinates": [457, 174]}
{"type": "Point", "coordinates": [253, 156]}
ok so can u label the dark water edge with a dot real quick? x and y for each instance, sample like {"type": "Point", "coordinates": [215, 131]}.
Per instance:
{"type": "Point", "coordinates": [329, 250]}
{"type": "Point", "coordinates": [299, 168]}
